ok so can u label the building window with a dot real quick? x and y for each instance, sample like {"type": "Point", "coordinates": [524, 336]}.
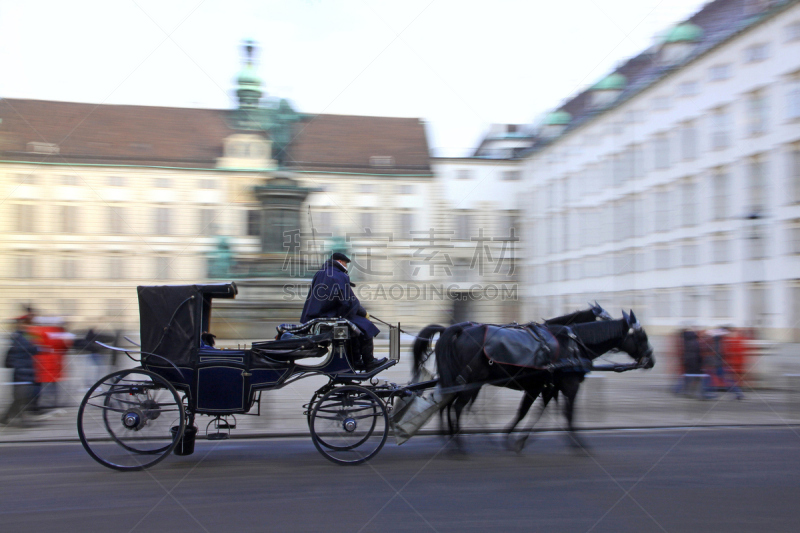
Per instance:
{"type": "Point", "coordinates": [253, 222]}
{"type": "Point", "coordinates": [756, 53]}
{"type": "Point", "coordinates": [688, 203]}
{"type": "Point", "coordinates": [381, 161]}
{"type": "Point", "coordinates": [69, 268]}
{"type": "Point", "coordinates": [162, 222]}
{"type": "Point", "coordinates": [26, 218]}
{"type": "Point", "coordinates": [367, 188]}
{"type": "Point", "coordinates": [691, 302]}
{"type": "Point", "coordinates": [793, 32]}
{"type": "Point", "coordinates": [27, 178]}
{"type": "Point", "coordinates": [663, 210]}
{"type": "Point", "coordinates": [794, 173]}
{"type": "Point", "coordinates": [756, 236]}
{"type": "Point", "coordinates": [26, 266]}
{"type": "Point", "coordinates": [406, 189]}
{"type": "Point", "coordinates": [663, 304]}
{"type": "Point", "coordinates": [794, 237]}
{"type": "Point", "coordinates": [69, 219]}
{"type": "Point", "coordinates": [511, 175]}
{"type": "Point", "coordinates": [463, 174]}
{"type": "Point", "coordinates": [719, 72]}
{"type": "Point", "coordinates": [793, 99]}
{"type": "Point", "coordinates": [720, 129]}
{"type": "Point", "coordinates": [721, 195]}
{"type": "Point", "coordinates": [757, 113]}
{"type": "Point", "coordinates": [721, 248]}
{"type": "Point", "coordinates": [661, 152]}
{"type": "Point", "coordinates": [208, 183]}
{"type": "Point", "coordinates": [663, 258]}
{"type": "Point", "coordinates": [661, 103]}
{"type": "Point", "coordinates": [406, 225]}
{"type": "Point", "coordinates": [690, 254]}
{"type": "Point", "coordinates": [162, 268]}
{"type": "Point", "coordinates": [163, 183]}
{"type": "Point", "coordinates": [116, 220]}
{"type": "Point", "coordinates": [116, 181]}
{"type": "Point", "coordinates": [207, 221]}
{"type": "Point", "coordinates": [721, 301]}
{"type": "Point", "coordinates": [367, 221]}
{"type": "Point", "coordinates": [463, 226]}
{"type": "Point", "coordinates": [688, 88]}
{"type": "Point", "coordinates": [689, 141]}
{"type": "Point", "coordinates": [116, 267]}
{"type": "Point", "coordinates": [757, 183]}
{"type": "Point", "coordinates": [69, 179]}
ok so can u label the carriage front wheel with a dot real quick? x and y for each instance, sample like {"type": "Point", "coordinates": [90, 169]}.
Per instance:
{"type": "Point", "coordinates": [131, 419]}
{"type": "Point", "coordinates": [349, 424]}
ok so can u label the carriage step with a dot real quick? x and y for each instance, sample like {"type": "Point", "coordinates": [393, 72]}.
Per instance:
{"type": "Point", "coordinates": [219, 436]}
{"type": "Point", "coordinates": [222, 424]}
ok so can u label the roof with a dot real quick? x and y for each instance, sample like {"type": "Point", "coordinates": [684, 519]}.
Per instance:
{"type": "Point", "coordinates": [112, 134]}
{"type": "Point", "coordinates": [717, 22]}
{"type": "Point", "coordinates": [78, 133]}
{"type": "Point", "coordinates": [358, 144]}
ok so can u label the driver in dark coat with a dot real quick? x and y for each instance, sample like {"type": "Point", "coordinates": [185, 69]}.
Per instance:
{"type": "Point", "coordinates": [331, 296]}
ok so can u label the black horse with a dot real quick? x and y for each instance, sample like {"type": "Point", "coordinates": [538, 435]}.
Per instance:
{"type": "Point", "coordinates": [464, 365]}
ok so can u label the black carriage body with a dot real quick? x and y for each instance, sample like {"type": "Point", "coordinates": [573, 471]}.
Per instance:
{"type": "Point", "coordinates": [219, 382]}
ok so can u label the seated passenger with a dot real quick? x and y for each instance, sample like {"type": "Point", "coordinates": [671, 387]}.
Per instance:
{"type": "Point", "coordinates": [331, 296]}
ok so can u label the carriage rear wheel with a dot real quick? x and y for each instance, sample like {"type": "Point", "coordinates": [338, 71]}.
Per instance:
{"type": "Point", "coordinates": [131, 419]}
{"type": "Point", "coordinates": [349, 425]}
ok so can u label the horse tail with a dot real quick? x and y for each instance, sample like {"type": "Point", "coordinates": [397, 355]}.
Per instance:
{"type": "Point", "coordinates": [421, 348]}
{"type": "Point", "coordinates": [446, 353]}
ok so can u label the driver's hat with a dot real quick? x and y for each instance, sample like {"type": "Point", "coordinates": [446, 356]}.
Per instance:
{"type": "Point", "coordinates": [338, 256]}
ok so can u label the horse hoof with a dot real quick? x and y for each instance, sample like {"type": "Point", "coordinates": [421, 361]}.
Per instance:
{"type": "Point", "coordinates": [519, 445]}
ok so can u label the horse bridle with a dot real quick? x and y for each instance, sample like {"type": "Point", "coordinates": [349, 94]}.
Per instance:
{"type": "Point", "coordinates": [641, 362]}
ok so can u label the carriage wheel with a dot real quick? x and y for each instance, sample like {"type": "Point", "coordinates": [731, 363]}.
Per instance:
{"type": "Point", "coordinates": [131, 419]}
{"type": "Point", "coordinates": [349, 425]}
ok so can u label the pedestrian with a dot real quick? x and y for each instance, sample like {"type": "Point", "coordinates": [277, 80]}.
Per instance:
{"type": "Point", "coordinates": [720, 363]}
{"type": "Point", "coordinates": [53, 342]}
{"type": "Point", "coordinates": [20, 357]}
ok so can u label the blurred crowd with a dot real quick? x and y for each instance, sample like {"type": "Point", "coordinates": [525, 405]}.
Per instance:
{"type": "Point", "coordinates": [38, 354]}
{"type": "Point", "coordinates": [712, 362]}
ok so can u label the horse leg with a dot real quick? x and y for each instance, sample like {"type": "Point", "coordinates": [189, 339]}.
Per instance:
{"type": "Point", "coordinates": [528, 398]}
{"type": "Point", "coordinates": [569, 387]}
{"type": "Point", "coordinates": [461, 401]}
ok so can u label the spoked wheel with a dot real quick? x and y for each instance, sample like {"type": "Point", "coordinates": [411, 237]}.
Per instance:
{"type": "Point", "coordinates": [131, 419]}
{"type": "Point", "coordinates": [349, 425]}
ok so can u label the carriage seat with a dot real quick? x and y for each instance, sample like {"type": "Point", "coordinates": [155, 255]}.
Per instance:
{"type": "Point", "coordinates": [294, 348]}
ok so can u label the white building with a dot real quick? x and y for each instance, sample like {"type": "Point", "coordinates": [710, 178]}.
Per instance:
{"type": "Point", "coordinates": [674, 186]}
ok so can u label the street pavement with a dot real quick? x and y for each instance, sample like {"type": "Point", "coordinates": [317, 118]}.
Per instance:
{"type": "Point", "coordinates": [678, 480]}
{"type": "Point", "coordinates": [636, 399]}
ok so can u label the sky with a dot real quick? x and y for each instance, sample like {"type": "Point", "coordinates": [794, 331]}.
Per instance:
{"type": "Point", "coordinates": [459, 65]}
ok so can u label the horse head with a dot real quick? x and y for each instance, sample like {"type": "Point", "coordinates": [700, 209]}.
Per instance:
{"type": "Point", "coordinates": [636, 343]}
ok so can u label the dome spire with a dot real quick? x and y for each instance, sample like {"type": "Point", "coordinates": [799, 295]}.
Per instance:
{"type": "Point", "coordinates": [248, 82]}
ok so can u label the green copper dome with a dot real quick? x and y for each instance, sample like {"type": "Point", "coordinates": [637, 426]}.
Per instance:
{"type": "Point", "coordinates": [558, 118]}
{"type": "Point", "coordinates": [248, 76]}
{"type": "Point", "coordinates": [612, 82]}
{"type": "Point", "coordinates": [686, 32]}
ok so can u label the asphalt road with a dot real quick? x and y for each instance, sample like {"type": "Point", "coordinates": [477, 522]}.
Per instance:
{"type": "Point", "coordinates": [674, 480]}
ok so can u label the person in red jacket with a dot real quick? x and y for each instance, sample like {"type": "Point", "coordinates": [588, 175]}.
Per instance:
{"type": "Point", "coordinates": [53, 342]}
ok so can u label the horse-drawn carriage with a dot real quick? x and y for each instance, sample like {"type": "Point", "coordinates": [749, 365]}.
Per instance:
{"type": "Point", "coordinates": [134, 418]}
